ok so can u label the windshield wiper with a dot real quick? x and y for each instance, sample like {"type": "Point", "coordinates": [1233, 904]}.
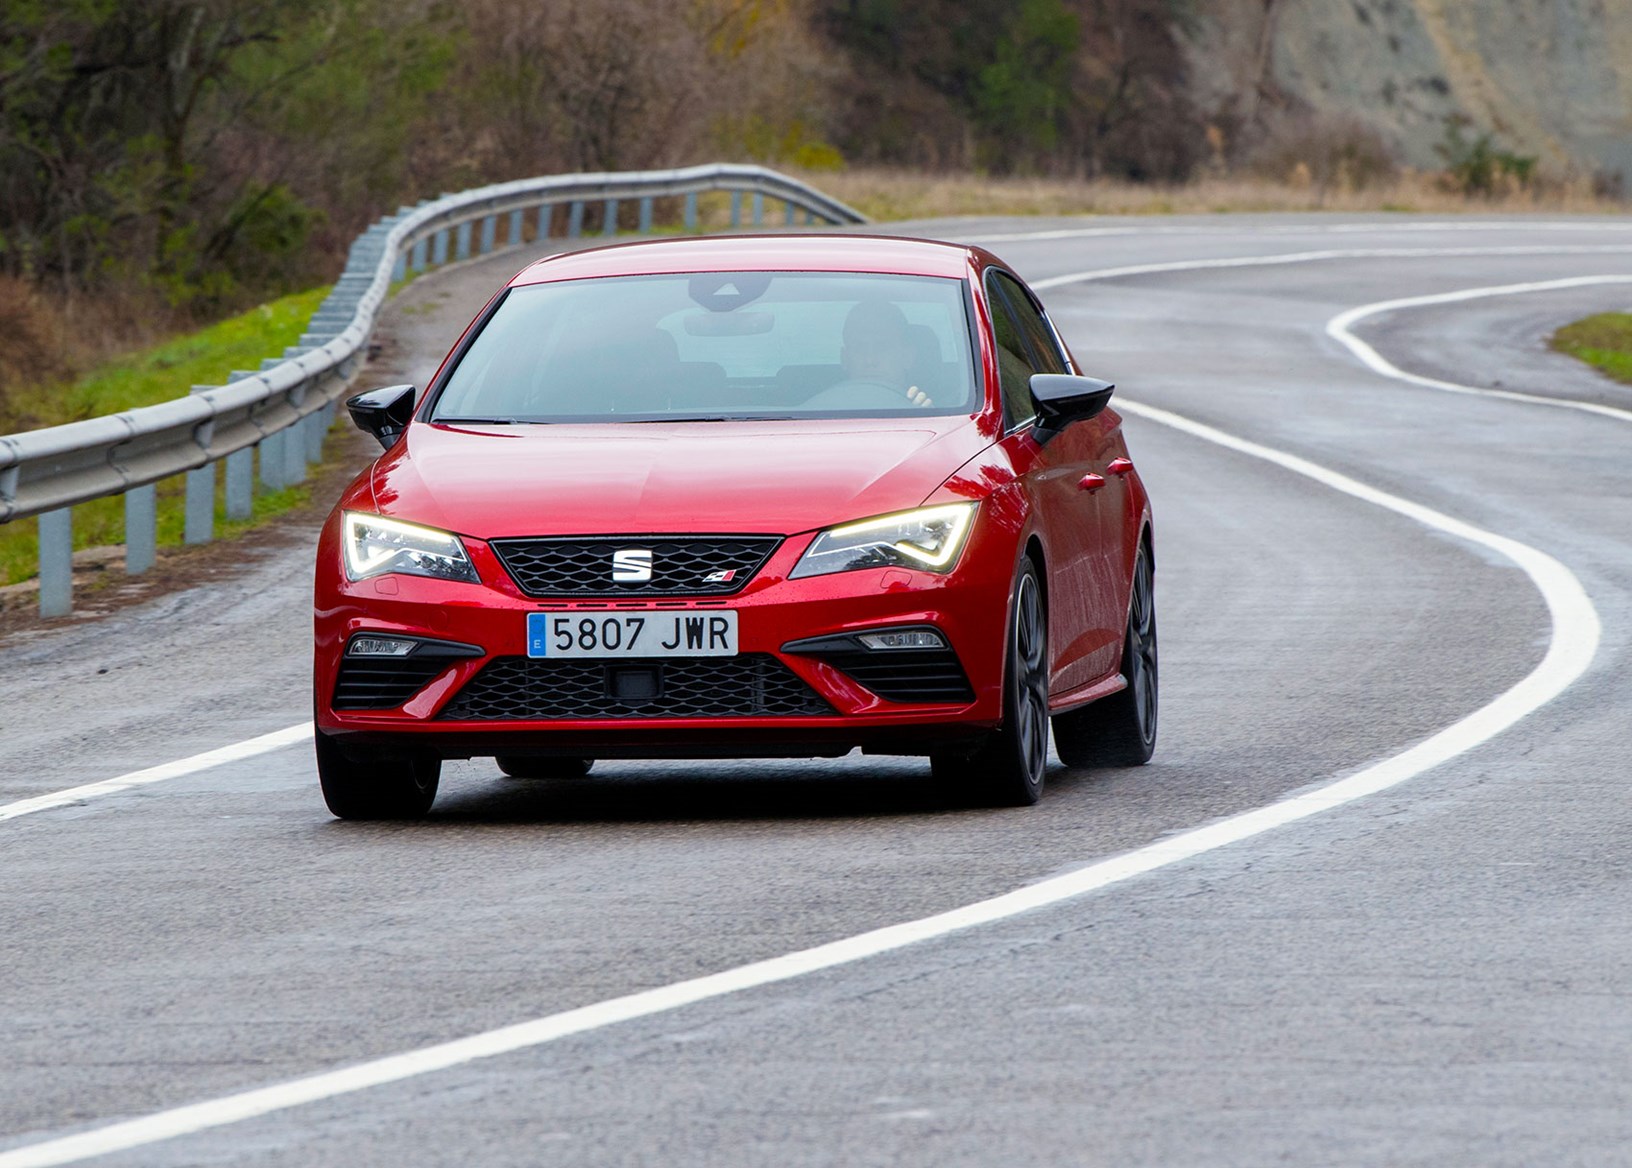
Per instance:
{"type": "Point", "coordinates": [476, 421]}
{"type": "Point", "coordinates": [719, 418]}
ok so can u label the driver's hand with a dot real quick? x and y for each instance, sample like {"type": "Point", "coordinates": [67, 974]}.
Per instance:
{"type": "Point", "coordinates": [918, 397]}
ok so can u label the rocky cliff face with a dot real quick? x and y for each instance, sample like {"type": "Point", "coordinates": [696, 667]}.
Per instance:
{"type": "Point", "coordinates": [1551, 78]}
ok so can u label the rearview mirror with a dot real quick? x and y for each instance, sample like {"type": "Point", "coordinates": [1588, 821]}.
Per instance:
{"type": "Point", "coordinates": [1063, 398]}
{"type": "Point", "coordinates": [383, 413]}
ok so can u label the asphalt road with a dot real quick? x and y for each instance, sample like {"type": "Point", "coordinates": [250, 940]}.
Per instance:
{"type": "Point", "coordinates": [1434, 974]}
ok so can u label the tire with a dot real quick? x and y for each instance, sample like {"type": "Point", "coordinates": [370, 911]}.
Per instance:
{"type": "Point", "coordinates": [522, 767]}
{"type": "Point", "coordinates": [383, 787]}
{"type": "Point", "coordinates": [1007, 770]}
{"type": "Point", "coordinates": [1120, 730]}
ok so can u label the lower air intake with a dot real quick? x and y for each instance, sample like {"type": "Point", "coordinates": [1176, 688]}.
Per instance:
{"type": "Point", "coordinates": [528, 689]}
{"type": "Point", "coordinates": [906, 675]}
{"type": "Point", "coordinates": [382, 683]}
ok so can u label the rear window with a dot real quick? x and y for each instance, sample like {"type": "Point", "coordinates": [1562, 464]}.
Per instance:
{"type": "Point", "coordinates": [718, 345]}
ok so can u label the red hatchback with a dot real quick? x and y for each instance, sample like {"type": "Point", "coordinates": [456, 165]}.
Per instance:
{"type": "Point", "coordinates": [743, 496]}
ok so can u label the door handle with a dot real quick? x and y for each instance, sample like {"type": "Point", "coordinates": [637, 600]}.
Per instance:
{"type": "Point", "coordinates": [1091, 483]}
{"type": "Point", "coordinates": [1120, 466]}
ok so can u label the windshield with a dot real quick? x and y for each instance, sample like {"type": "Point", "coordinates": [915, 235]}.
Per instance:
{"type": "Point", "coordinates": [718, 345]}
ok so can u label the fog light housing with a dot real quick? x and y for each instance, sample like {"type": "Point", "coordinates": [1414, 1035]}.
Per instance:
{"type": "Point", "coordinates": [903, 639]}
{"type": "Point", "coordinates": [380, 647]}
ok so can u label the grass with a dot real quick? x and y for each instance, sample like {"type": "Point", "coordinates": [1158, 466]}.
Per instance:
{"type": "Point", "coordinates": [161, 373]}
{"type": "Point", "coordinates": [169, 370]}
{"type": "Point", "coordinates": [1603, 341]}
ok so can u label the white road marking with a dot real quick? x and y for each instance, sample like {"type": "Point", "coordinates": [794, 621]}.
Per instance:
{"type": "Point", "coordinates": [237, 752]}
{"type": "Point", "coordinates": [1338, 328]}
{"type": "Point", "coordinates": [1334, 253]}
{"type": "Point", "coordinates": [1264, 229]}
{"type": "Point", "coordinates": [1574, 641]}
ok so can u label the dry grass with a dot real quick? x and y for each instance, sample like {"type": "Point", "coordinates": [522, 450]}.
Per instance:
{"type": "Point", "coordinates": [895, 194]}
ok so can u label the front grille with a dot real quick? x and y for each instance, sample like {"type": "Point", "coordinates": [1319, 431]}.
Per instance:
{"type": "Point", "coordinates": [680, 565]}
{"type": "Point", "coordinates": [906, 675]}
{"type": "Point", "coordinates": [382, 683]}
{"type": "Point", "coordinates": [748, 685]}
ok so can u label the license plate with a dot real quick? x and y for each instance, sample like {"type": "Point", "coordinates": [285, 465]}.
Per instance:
{"type": "Point", "coordinates": [632, 634]}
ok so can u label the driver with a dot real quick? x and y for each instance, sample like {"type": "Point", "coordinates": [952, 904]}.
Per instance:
{"type": "Point", "coordinates": [878, 349]}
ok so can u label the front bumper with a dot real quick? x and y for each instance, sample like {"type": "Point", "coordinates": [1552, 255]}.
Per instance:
{"type": "Point", "coordinates": [968, 606]}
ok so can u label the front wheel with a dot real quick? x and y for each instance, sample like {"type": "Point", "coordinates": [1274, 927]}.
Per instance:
{"type": "Point", "coordinates": [379, 787]}
{"type": "Point", "coordinates": [1120, 730]}
{"type": "Point", "coordinates": [1007, 770]}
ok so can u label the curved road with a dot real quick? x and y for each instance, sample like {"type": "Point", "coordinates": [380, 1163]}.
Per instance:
{"type": "Point", "coordinates": [1431, 974]}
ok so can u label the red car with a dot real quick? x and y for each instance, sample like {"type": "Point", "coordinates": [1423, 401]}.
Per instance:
{"type": "Point", "coordinates": [775, 496]}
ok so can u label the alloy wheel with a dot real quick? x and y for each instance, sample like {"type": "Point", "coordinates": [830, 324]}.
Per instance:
{"type": "Point", "coordinates": [1031, 679]}
{"type": "Point", "coordinates": [1141, 649]}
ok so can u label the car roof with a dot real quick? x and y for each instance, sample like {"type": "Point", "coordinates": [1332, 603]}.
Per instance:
{"type": "Point", "coordinates": [826, 252]}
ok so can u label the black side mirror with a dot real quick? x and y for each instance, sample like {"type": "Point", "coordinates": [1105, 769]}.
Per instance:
{"type": "Point", "coordinates": [383, 413]}
{"type": "Point", "coordinates": [1063, 398]}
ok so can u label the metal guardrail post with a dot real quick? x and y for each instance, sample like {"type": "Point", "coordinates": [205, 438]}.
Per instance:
{"type": "Point", "coordinates": [546, 220]}
{"type": "Point", "coordinates": [294, 458]}
{"type": "Point", "coordinates": [691, 211]}
{"type": "Point", "coordinates": [56, 562]}
{"type": "Point", "coordinates": [316, 431]}
{"type": "Point", "coordinates": [272, 461]}
{"type": "Point", "coordinates": [757, 201]}
{"type": "Point", "coordinates": [575, 219]}
{"type": "Point", "coordinates": [141, 529]}
{"type": "Point", "coordinates": [419, 254]}
{"type": "Point", "coordinates": [199, 522]}
{"type": "Point", "coordinates": [514, 237]}
{"type": "Point", "coordinates": [646, 215]}
{"type": "Point", "coordinates": [609, 218]}
{"type": "Point", "coordinates": [490, 231]}
{"type": "Point", "coordinates": [399, 270]}
{"type": "Point", "coordinates": [787, 213]}
{"type": "Point", "coordinates": [439, 247]}
{"type": "Point", "coordinates": [240, 483]}
{"type": "Point", "coordinates": [461, 249]}
{"type": "Point", "coordinates": [736, 209]}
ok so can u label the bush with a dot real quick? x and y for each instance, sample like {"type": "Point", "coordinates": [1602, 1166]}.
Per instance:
{"type": "Point", "coordinates": [1474, 165]}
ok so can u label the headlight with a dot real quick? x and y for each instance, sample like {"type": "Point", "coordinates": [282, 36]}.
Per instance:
{"type": "Point", "coordinates": [375, 545]}
{"type": "Point", "coordinates": [928, 539]}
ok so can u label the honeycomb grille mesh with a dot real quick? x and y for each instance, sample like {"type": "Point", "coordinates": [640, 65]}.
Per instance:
{"type": "Point", "coordinates": [681, 565]}
{"type": "Point", "coordinates": [522, 688]}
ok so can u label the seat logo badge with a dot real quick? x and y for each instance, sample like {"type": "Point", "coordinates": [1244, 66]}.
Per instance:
{"type": "Point", "coordinates": [631, 566]}
{"type": "Point", "coordinates": [724, 576]}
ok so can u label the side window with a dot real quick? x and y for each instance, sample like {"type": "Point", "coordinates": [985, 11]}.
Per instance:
{"type": "Point", "coordinates": [1046, 355]}
{"type": "Point", "coordinates": [1013, 363]}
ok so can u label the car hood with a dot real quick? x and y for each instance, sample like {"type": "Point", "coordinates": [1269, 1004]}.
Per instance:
{"type": "Point", "coordinates": [777, 477]}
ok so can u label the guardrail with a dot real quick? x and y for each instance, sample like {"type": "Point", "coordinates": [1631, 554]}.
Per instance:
{"type": "Point", "coordinates": [272, 422]}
